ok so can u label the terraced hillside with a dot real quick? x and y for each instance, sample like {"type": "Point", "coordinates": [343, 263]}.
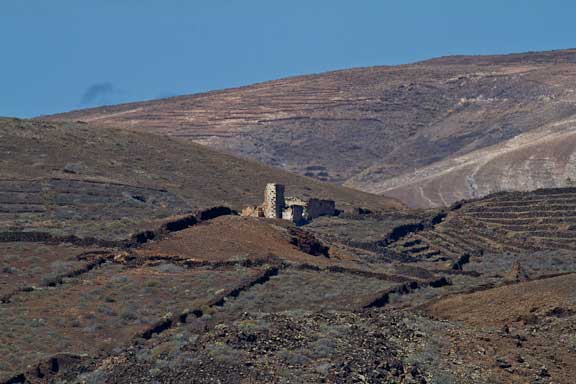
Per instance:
{"type": "Point", "coordinates": [240, 297]}
{"type": "Point", "coordinates": [72, 180]}
{"type": "Point", "coordinates": [222, 297]}
{"type": "Point", "coordinates": [61, 302]}
{"type": "Point", "coordinates": [429, 133]}
{"type": "Point", "coordinates": [536, 228]}
{"type": "Point", "coordinates": [513, 222]}
{"type": "Point", "coordinates": [121, 260]}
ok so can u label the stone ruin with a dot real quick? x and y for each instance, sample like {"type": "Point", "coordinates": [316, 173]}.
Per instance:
{"type": "Point", "coordinates": [273, 201]}
{"type": "Point", "coordinates": [294, 209]}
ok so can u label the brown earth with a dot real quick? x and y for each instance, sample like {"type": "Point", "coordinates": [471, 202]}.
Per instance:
{"type": "Point", "coordinates": [535, 323]}
{"type": "Point", "coordinates": [107, 307]}
{"type": "Point", "coordinates": [99, 300]}
{"type": "Point", "coordinates": [519, 223]}
{"type": "Point", "coordinates": [25, 265]}
{"type": "Point", "coordinates": [238, 239]}
{"type": "Point", "coordinates": [230, 238]}
{"type": "Point", "coordinates": [516, 304]}
{"type": "Point", "coordinates": [428, 133]}
{"type": "Point", "coordinates": [115, 269]}
{"type": "Point", "coordinates": [70, 179]}
{"type": "Point", "coordinates": [233, 297]}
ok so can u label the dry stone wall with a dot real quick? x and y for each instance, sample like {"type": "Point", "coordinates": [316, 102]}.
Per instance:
{"type": "Point", "coordinates": [274, 200]}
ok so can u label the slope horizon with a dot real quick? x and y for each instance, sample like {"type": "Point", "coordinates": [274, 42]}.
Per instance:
{"type": "Point", "coordinates": [149, 51]}
{"type": "Point", "coordinates": [312, 74]}
{"type": "Point", "coordinates": [428, 133]}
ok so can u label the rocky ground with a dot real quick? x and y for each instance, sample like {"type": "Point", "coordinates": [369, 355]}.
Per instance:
{"type": "Point", "coordinates": [188, 291]}
{"type": "Point", "coordinates": [246, 300]}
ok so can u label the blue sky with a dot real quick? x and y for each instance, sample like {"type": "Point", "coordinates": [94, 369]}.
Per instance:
{"type": "Point", "coordinates": [60, 55]}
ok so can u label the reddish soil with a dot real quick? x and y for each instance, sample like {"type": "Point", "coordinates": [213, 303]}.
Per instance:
{"type": "Point", "coordinates": [522, 303]}
{"type": "Point", "coordinates": [105, 309]}
{"type": "Point", "coordinates": [522, 326]}
{"type": "Point", "coordinates": [231, 238]}
{"type": "Point", "coordinates": [25, 265]}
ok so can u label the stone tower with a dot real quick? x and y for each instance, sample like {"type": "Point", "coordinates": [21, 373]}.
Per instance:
{"type": "Point", "coordinates": [273, 200]}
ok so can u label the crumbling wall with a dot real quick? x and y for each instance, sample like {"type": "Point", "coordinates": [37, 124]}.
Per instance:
{"type": "Point", "coordinates": [313, 208]}
{"type": "Point", "coordinates": [294, 213]}
{"type": "Point", "coordinates": [273, 201]}
{"type": "Point", "coordinates": [317, 207]}
{"type": "Point", "coordinates": [295, 201]}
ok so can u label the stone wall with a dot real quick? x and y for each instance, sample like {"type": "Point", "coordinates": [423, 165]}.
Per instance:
{"type": "Point", "coordinates": [273, 201]}
{"type": "Point", "coordinates": [294, 213]}
{"type": "Point", "coordinates": [254, 211]}
{"type": "Point", "coordinates": [317, 207]}
{"type": "Point", "coordinates": [313, 207]}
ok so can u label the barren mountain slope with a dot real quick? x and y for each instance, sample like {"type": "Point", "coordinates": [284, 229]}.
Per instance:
{"type": "Point", "coordinates": [71, 179]}
{"type": "Point", "coordinates": [222, 297]}
{"type": "Point", "coordinates": [542, 158]}
{"type": "Point", "coordinates": [380, 128]}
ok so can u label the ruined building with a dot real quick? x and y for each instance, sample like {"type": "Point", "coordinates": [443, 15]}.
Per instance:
{"type": "Point", "coordinates": [313, 208]}
{"type": "Point", "coordinates": [273, 201]}
{"type": "Point", "coordinates": [297, 210]}
{"type": "Point", "coordinates": [294, 213]}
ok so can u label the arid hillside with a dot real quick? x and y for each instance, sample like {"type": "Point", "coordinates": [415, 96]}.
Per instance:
{"type": "Point", "coordinates": [71, 179]}
{"type": "Point", "coordinates": [121, 260]}
{"type": "Point", "coordinates": [480, 293]}
{"type": "Point", "coordinates": [428, 133]}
